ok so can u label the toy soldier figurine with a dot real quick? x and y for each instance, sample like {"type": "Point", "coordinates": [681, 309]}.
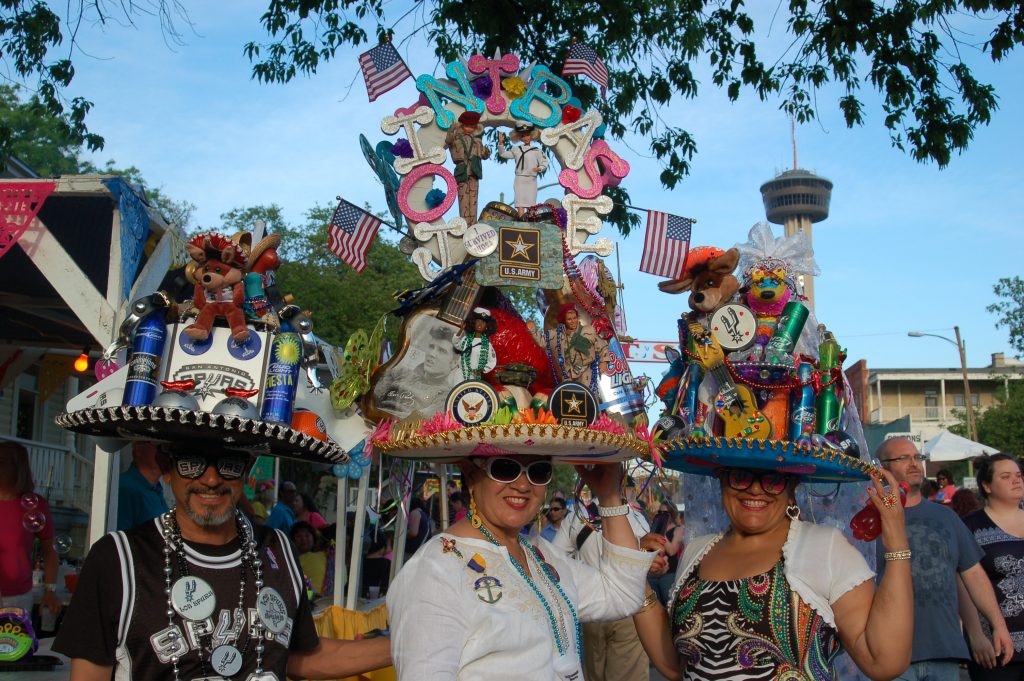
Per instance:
{"type": "Point", "coordinates": [468, 150]}
{"type": "Point", "coordinates": [530, 162]}
{"type": "Point", "coordinates": [573, 349]}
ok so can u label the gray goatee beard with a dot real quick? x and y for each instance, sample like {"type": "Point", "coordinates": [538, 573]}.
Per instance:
{"type": "Point", "coordinates": [210, 518]}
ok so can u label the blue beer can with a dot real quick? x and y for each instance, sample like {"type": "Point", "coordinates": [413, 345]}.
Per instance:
{"type": "Point", "coordinates": [803, 410]}
{"type": "Point", "coordinates": [282, 378]}
{"type": "Point", "coordinates": [144, 363]}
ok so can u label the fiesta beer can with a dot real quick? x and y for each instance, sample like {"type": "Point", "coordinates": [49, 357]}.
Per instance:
{"type": "Point", "coordinates": [282, 378]}
{"type": "Point", "coordinates": [144, 363]}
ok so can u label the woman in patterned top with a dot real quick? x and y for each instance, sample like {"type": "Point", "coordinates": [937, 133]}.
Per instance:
{"type": "Point", "coordinates": [999, 530]}
{"type": "Point", "coordinates": [774, 597]}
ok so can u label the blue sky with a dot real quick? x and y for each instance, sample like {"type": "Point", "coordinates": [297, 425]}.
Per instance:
{"type": "Point", "coordinates": [907, 246]}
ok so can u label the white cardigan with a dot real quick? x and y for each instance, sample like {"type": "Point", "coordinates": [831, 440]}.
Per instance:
{"type": "Point", "coordinates": [818, 561]}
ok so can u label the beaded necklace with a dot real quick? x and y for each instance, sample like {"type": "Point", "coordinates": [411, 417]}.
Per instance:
{"type": "Point", "coordinates": [174, 546]}
{"type": "Point", "coordinates": [559, 640]}
{"type": "Point", "coordinates": [468, 372]}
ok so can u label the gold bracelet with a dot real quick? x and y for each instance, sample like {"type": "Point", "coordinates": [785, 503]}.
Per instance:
{"type": "Point", "coordinates": [897, 555]}
{"type": "Point", "coordinates": [651, 599]}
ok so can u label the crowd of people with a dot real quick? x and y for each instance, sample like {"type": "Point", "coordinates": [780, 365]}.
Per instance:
{"type": "Point", "coordinates": [773, 592]}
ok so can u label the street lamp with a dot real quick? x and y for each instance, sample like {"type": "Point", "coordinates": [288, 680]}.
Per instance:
{"type": "Point", "coordinates": [959, 343]}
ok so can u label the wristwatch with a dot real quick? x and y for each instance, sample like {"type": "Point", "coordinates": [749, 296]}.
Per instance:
{"type": "Point", "coordinates": [49, 587]}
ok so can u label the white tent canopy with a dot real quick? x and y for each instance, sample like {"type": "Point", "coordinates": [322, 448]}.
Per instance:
{"type": "Point", "coordinates": [949, 447]}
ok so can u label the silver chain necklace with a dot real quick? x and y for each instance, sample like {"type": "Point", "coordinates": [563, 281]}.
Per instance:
{"type": "Point", "coordinates": [229, 657]}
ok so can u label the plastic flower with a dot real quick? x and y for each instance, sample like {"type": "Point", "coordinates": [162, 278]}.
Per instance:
{"type": "Point", "coordinates": [514, 86]}
{"type": "Point", "coordinates": [434, 198]}
{"type": "Point", "coordinates": [607, 425]}
{"type": "Point", "coordinates": [642, 433]}
{"type": "Point", "coordinates": [502, 416]}
{"type": "Point", "coordinates": [402, 148]}
{"type": "Point", "coordinates": [482, 87]}
{"type": "Point", "coordinates": [440, 422]}
{"type": "Point", "coordinates": [541, 415]}
{"type": "Point", "coordinates": [382, 433]}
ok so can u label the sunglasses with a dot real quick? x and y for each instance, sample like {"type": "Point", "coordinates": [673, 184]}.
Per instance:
{"type": "Point", "coordinates": [228, 466]}
{"type": "Point", "coordinates": [505, 470]}
{"type": "Point", "coordinates": [740, 479]}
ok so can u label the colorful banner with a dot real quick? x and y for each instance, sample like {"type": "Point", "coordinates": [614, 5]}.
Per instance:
{"type": "Point", "coordinates": [19, 204]}
{"type": "Point", "coordinates": [648, 351]}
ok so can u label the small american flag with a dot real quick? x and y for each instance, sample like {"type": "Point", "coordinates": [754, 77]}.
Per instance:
{"type": "Point", "coordinates": [351, 232]}
{"type": "Point", "coordinates": [383, 69]}
{"type": "Point", "coordinates": [583, 59]}
{"type": "Point", "coordinates": [666, 244]}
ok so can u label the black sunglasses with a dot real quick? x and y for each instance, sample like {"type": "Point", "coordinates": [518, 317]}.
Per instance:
{"type": "Point", "coordinates": [505, 470]}
{"type": "Point", "coordinates": [229, 466]}
{"type": "Point", "coordinates": [740, 479]}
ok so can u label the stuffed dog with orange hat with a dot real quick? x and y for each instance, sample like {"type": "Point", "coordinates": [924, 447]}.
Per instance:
{"type": "Point", "coordinates": [219, 289]}
{"type": "Point", "coordinates": [709, 279]}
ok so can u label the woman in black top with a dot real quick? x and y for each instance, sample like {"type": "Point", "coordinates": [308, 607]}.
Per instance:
{"type": "Point", "coordinates": [999, 529]}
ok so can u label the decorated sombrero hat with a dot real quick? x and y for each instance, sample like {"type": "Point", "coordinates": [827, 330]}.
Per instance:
{"type": "Point", "coordinates": [187, 426]}
{"type": "Point", "coordinates": [494, 385]}
{"type": "Point", "coordinates": [779, 397]}
{"type": "Point", "coordinates": [195, 381]}
{"type": "Point", "coordinates": [706, 456]}
{"type": "Point", "coordinates": [497, 392]}
{"type": "Point", "coordinates": [564, 444]}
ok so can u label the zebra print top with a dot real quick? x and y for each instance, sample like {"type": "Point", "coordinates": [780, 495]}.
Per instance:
{"type": "Point", "coordinates": [751, 629]}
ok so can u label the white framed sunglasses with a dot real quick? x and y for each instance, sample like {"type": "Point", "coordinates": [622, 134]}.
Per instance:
{"type": "Point", "coordinates": [505, 470]}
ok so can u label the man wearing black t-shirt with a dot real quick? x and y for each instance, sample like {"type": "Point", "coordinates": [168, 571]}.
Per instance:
{"type": "Point", "coordinates": [200, 593]}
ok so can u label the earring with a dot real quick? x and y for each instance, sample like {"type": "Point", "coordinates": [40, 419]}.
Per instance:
{"type": "Point", "coordinates": [474, 518]}
{"type": "Point", "coordinates": [793, 511]}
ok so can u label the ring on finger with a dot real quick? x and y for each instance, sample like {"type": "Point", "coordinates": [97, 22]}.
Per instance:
{"type": "Point", "coordinates": [890, 500]}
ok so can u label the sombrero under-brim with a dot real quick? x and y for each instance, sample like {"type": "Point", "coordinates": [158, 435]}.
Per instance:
{"type": "Point", "coordinates": [705, 456]}
{"type": "Point", "coordinates": [565, 444]}
{"type": "Point", "coordinates": [185, 426]}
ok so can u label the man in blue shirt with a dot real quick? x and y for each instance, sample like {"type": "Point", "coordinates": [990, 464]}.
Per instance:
{"type": "Point", "coordinates": [140, 497]}
{"type": "Point", "coordinates": [555, 516]}
{"type": "Point", "coordinates": [282, 517]}
{"type": "Point", "coordinates": [944, 553]}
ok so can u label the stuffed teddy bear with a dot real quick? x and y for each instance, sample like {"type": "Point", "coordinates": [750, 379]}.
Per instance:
{"type": "Point", "coordinates": [219, 289]}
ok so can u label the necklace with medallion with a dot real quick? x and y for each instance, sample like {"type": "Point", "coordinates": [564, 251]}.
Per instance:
{"type": "Point", "coordinates": [193, 599]}
{"type": "Point", "coordinates": [557, 623]}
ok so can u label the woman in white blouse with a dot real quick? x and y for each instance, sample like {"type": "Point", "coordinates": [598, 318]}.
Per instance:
{"type": "Point", "coordinates": [481, 602]}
